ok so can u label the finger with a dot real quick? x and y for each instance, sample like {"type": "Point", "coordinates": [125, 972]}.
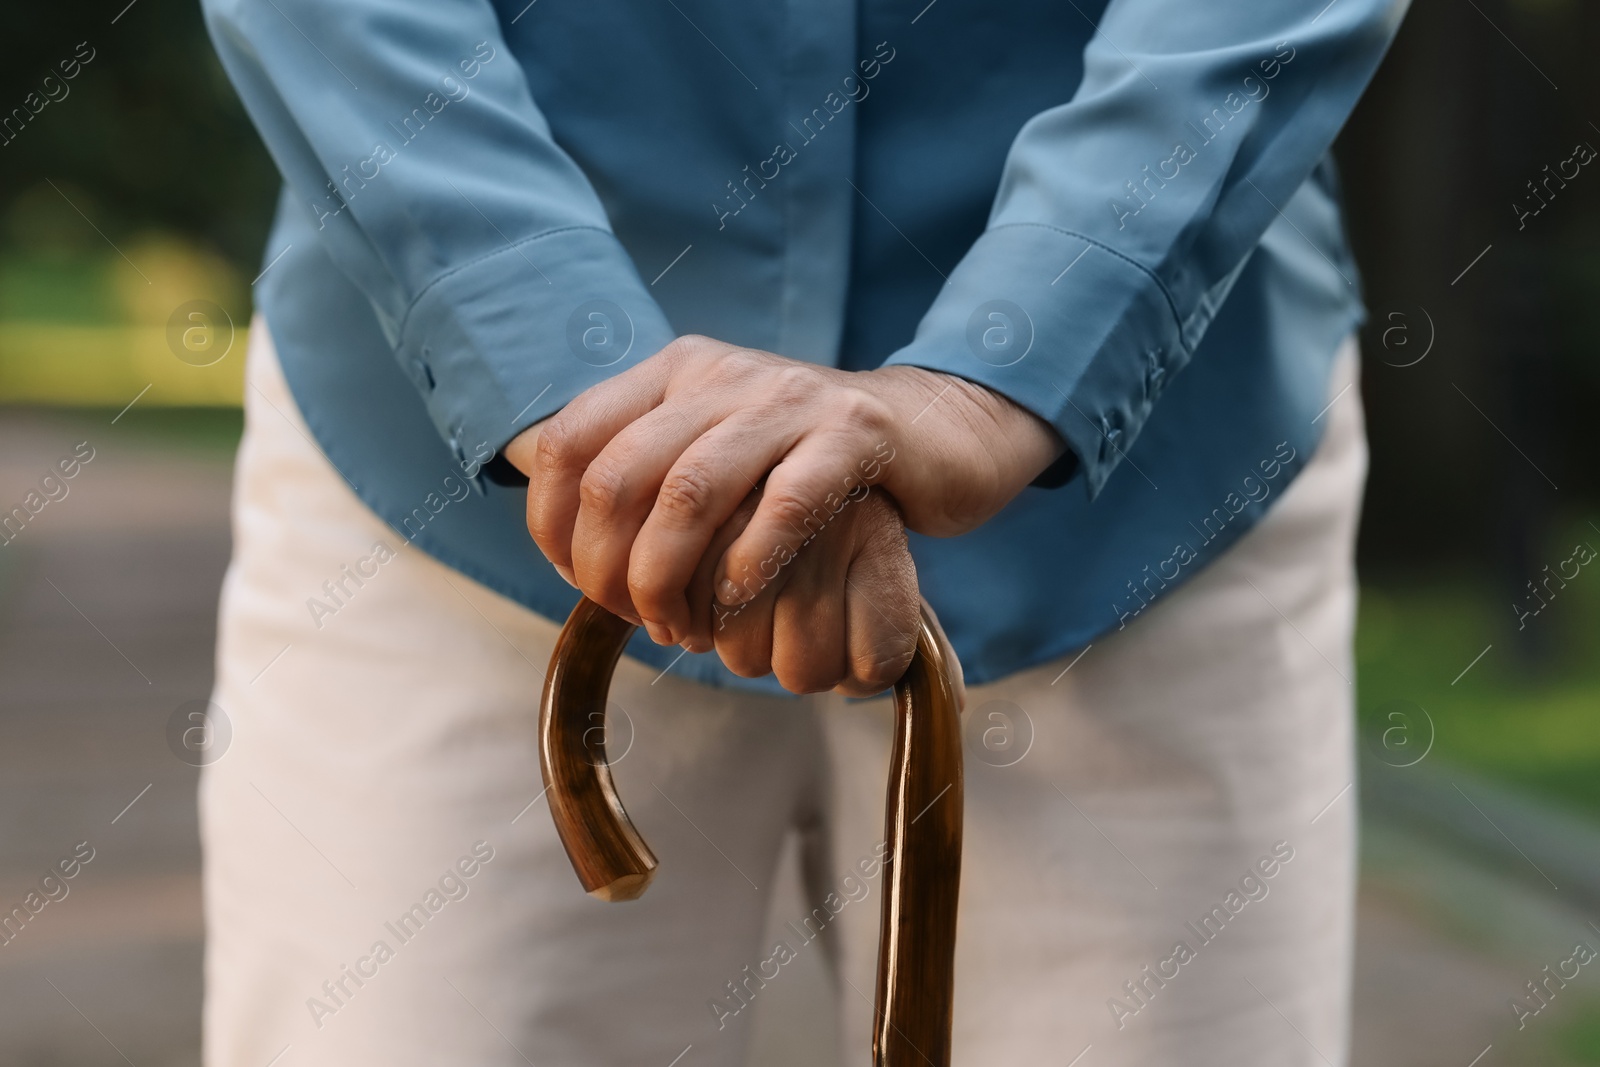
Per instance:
{"type": "Point", "coordinates": [570, 439]}
{"type": "Point", "coordinates": [563, 451]}
{"type": "Point", "coordinates": [705, 614]}
{"type": "Point", "coordinates": [881, 602]}
{"type": "Point", "coordinates": [808, 620]}
{"type": "Point", "coordinates": [822, 476]}
{"type": "Point", "coordinates": [615, 496]}
{"type": "Point", "coordinates": [698, 495]}
{"type": "Point", "coordinates": [743, 636]}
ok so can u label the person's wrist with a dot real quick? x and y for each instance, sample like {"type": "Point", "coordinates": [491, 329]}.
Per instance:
{"type": "Point", "coordinates": [971, 449]}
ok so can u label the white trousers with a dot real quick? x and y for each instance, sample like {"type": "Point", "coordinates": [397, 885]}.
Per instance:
{"type": "Point", "coordinates": [1159, 856]}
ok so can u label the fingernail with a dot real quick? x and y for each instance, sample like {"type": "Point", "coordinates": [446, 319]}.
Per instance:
{"type": "Point", "coordinates": [631, 618]}
{"type": "Point", "coordinates": [659, 634]}
{"type": "Point", "coordinates": [566, 575]}
{"type": "Point", "coordinates": [727, 592]}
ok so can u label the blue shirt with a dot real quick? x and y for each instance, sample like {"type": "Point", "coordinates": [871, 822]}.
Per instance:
{"type": "Point", "coordinates": [1120, 215]}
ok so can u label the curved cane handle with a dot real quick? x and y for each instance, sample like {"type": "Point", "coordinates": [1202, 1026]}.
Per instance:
{"type": "Point", "coordinates": [922, 825]}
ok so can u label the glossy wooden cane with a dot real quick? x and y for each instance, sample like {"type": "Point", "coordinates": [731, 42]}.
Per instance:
{"type": "Point", "coordinates": [922, 826]}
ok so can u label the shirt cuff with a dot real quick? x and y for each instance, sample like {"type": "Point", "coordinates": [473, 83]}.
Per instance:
{"type": "Point", "coordinates": [504, 341]}
{"type": "Point", "coordinates": [1076, 333]}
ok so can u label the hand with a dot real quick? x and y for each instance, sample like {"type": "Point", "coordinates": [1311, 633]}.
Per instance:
{"type": "Point", "coordinates": [841, 614]}
{"type": "Point", "coordinates": [632, 480]}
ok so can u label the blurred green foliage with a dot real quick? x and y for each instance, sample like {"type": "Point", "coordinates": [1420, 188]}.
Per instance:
{"type": "Point", "coordinates": [56, 287]}
{"type": "Point", "coordinates": [1579, 1041]}
{"type": "Point", "coordinates": [131, 183]}
{"type": "Point", "coordinates": [1528, 712]}
{"type": "Point", "coordinates": [150, 135]}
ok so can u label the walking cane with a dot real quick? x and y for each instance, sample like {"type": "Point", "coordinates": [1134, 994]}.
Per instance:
{"type": "Point", "coordinates": [922, 869]}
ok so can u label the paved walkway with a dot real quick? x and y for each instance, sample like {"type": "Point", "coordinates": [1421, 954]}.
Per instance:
{"type": "Point", "coordinates": [106, 619]}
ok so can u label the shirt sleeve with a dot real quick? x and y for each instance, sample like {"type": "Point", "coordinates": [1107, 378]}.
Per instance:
{"type": "Point", "coordinates": [406, 131]}
{"type": "Point", "coordinates": [1124, 216]}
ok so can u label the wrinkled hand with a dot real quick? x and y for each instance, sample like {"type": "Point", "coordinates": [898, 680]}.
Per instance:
{"type": "Point", "coordinates": [841, 614]}
{"type": "Point", "coordinates": [633, 482]}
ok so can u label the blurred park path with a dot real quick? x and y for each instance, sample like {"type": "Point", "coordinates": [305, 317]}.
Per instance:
{"type": "Point", "coordinates": [107, 616]}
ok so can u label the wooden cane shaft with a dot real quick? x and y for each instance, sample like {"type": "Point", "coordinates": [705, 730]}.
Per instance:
{"type": "Point", "coordinates": [922, 874]}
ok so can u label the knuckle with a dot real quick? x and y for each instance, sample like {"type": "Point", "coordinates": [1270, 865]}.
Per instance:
{"type": "Point", "coordinates": [657, 598]}
{"type": "Point", "coordinates": [687, 347]}
{"type": "Point", "coordinates": [796, 382]}
{"type": "Point", "coordinates": [750, 579]}
{"type": "Point", "coordinates": [861, 410]}
{"type": "Point", "coordinates": [700, 356]}
{"type": "Point", "coordinates": [606, 588]}
{"type": "Point", "coordinates": [541, 530]}
{"type": "Point", "coordinates": [801, 682]}
{"type": "Point", "coordinates": [882, 664]}
{"type": "Point", "coordinates": [649, 595]}
{"type": "Point", "coordinates": [603, 587]}
{"type": "Point", "coordinates": [735, 364]}
{"type": "Point", "coordinates": [686, 495]}
{"type": "Point", "coordinates": [808, 672]}
{"type": "Point", "coordinates": [791, 513]}
{"type": "Point", "coordinates": [602, 488]}
{"type": "Point", "coordinates": [554, 448]}
{"type": "Point", "coordinates": [742, 660]}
